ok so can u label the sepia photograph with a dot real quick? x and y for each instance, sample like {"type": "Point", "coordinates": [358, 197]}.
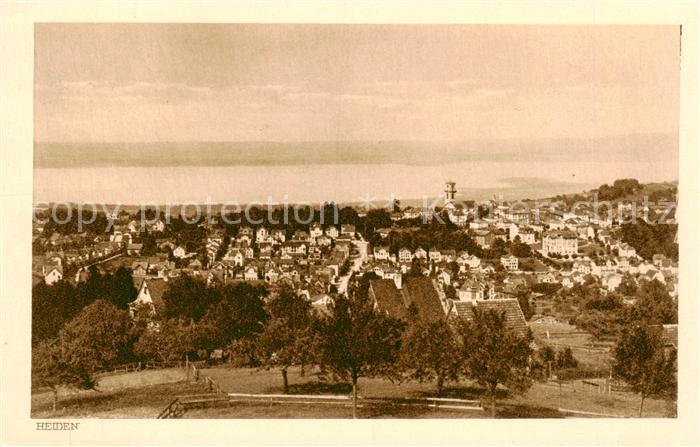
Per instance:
{"type": "Point", "coordinates": [388, 226]}
{"type": "Point", "coordinates": [355, 221]}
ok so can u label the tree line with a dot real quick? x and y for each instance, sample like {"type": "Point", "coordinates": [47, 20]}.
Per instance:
{"type": "Point", "coordinates": [251, 327]}
{"type": "Point", "coordinates": [607, 315]}
{"type": "Point", "coordinates": [350, 340]}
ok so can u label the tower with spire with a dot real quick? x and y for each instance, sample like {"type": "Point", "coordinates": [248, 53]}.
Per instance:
{"type": "Point", "coordinates": [450, 191]}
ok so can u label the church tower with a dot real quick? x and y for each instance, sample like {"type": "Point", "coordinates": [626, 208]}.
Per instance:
{"type": "Point", "coordinates": [450, 191]}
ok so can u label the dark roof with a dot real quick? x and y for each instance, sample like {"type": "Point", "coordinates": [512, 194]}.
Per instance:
{"type": "Point", "coordinates": [421, 292]}
{"type": "Point", "coordinates": [388, 297]}
{"type": "Point", "coordinates": [515, 320]}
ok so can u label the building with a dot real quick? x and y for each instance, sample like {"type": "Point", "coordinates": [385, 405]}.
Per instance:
{"type": "Point", "coordinates": [515, 320]}
{"type": "Point", "coordinates": [236, 256]}
{"type": "Point", "coordinates": [526, 235]}
{"type": "Point", "coordinates": [483, 238]}
{"type": "Point", "coordinates": [134, 249]}
{"type": "Point", "coordinates": [315, 230]}
{"type": "Point", "coordinates": [348, 230]}
{"type": "Point", "coordinates": [262, 234]}
{"type": "Point", "coordinates": [405, 255]}
{"type": "Point", "coordinates": [279, 235]}
{"type": "Point", "coordinates": [450, 191]}
{"type": "Point", "coordinates": [420, 253]}
{"type": "Point", "coordinates": [560, 243]}
{"type": "Point", "coordinates": [52, 274]}
{"type": "Point", "coordinates": [471, 291]}
{"type": "Point", "coordinates": [419, 294]}
{"type": "Point", "coordinates": [626, 251]}
{"type": "Point", "coordinates": [435, 255]}
{"type": "Point", "coordinates": [381, 253]}
{"type": "Point", "coordinates": [179, 252]}
{"type": "Point", "coordinates": [509, 262]}
{"type": "Point", "coordinates": [250, 274]}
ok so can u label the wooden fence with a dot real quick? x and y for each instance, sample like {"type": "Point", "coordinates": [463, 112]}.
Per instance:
{"type": "Point", "coordinates": [214, 394]}
{"type": "Point", "coordinates": [346, 400]}
{"type": "Point", "coordinates": [603, 386]}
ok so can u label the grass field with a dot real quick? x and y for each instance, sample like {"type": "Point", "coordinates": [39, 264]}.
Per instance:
{"type": "Point", "coordinates": [144, 394]}
{"type": "Point", "coordinates": [141, 394]}
{"type": "Point", "coordinates": [542, 400]}
{"type": "Point", "coordinates": [561, 335]}
{"type": "Point", "coordinates": [249, 410]}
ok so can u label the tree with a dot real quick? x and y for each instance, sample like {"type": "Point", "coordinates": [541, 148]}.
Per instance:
{"type": "Point", "coordinates": [524, 302]}
{"type": "Point", "coordinates": [51, 368]}
{"type": "Point", "coordinates": [648, 239]}
{"type": "Point", "coordinates": [99, 337]}
{"type": "Point", "coordinates": [520, 250]}
{"type": "Point", "coordinates": [375, 219]}
{"type": "Point", "coordinates": [494, 355]}
{"type": "Point", "coordinates": [150, 246]}
{"type": "Point", "coordinates": [416, 269]}
{"type": "Point", "coordinates": [566, 359]}
{"type": "Point", "coordinates": [428, 352]}
{"type": "Point", "coordinates": [288, 337]}
{"type": "Point", "coordinates": [498, 248]}
{"type": "Point", "coordinates": [223, 248]}
{"type": "Point", "coordinates": [188, 297]}
{"type": "Point", "coordinates": [654, 305]}
{"type": "Point", "coordinates": [628, 286]}
{"type": "Point", "coordinates": [172, 340]}
{"type": "Point", "coordinates": [548, 356]}
{"type": "Point", "coordinates": [239, 313]}
{"type": "Point", "coordinates": [96, 339]}
{"type": "Point", "coordinates": [357, 341]}
{"type": "Point", "coordinates": [122, 290]}
{"type": "Point", "coordinates": [52, 307]}
{"type": "Point", "coordinates": [642, 361]}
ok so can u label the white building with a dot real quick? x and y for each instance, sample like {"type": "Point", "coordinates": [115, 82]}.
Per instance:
{"type": "Point", "coordinates": [405, 255]}
{"type": "Point", "coordinates": [560, 242]}
{"type": "Point", "coordinates": [509, 262]}
{"type": "Point", "coordinates": [52, 274]}
{"type": "Point", "coordinates": [381, 253]}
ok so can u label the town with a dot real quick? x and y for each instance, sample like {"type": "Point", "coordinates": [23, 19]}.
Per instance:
{"type": "Point", "coordinates": [550, 270]}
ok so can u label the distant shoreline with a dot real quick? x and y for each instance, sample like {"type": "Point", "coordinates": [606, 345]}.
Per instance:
{"type": "Point", "coordinates": [216, 207]}
{"type": "Point", "coordinates": [617, 149]}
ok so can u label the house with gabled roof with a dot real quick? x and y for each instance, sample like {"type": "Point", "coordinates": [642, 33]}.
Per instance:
{"type": "Point", "coordinates": [387, 298]}
{"type": "Point", "coordinates": [52, 273]}
{"type": "Point", "coordinates": [419, 293]}
{"type": "Point", "coordinates": [420, 253]}
{"type": "Point", "coordinates": [234, 255]}
{"type": "Point", "coordinates": [315, 230]}
{"type": "Point", "coordinates": [381, 253]}
{"type": "Point", "coordinates": [508, 307]}
{"type": "Point", "coordinates": [250, 273]}
{"type": "Point", "coordinates": [471, 290]}
{"type": "Point", "coordinates": [435, 255]}
{"type": "Point", "coordinates": [405, 255]}
{"type": "Point", "coordinates": [139, 268]}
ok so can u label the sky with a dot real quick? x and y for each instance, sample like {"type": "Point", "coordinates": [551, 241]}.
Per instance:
{"type": "Point", "coordinates": [271, 82]}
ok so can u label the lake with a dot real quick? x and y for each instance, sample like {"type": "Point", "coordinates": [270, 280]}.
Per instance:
{"type": "Point", "coordinates": [339, 182]}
